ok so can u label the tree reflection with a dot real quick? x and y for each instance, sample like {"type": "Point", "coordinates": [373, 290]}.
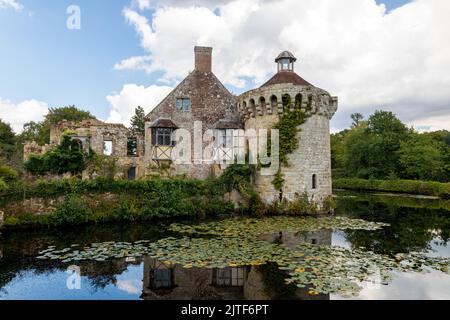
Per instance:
{"type": "Point", "coordinates": [415, 223]}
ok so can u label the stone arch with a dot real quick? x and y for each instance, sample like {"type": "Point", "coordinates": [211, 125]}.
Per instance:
{"type": "Point", "coordinates": [77, 144]}
{"type": "Point", "coordinates": [262, 105]}
{"type": "Point", "coordinates": [309, 105]}
{"type": "Point", "coordinates": [286, 101]}
{"type": "Point", "coordinates": [298, 101]}
{"type": "Point", "coordinates": [252, 107]}
{"type": "Point", "coordinates": [274, 103]}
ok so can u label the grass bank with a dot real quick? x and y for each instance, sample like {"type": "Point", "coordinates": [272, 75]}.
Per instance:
{"type": "Point", "coordinates": [73, 202]}
{"type": "Point", "coordinates": [429, 188]}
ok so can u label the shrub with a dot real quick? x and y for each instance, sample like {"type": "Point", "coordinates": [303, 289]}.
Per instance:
{"type": "Point", "coordinates": [8, 174]}
{"type": "Point", "coordinates": [72, 211]}
{"type": "Point", "coordinates": [3, 186]}
{"type": "Point", "coordinates": [127, 209]}
{"type": "Point", "coordinates": [398, 186]}
{"type": "Point", "coordinates": [67, 157]}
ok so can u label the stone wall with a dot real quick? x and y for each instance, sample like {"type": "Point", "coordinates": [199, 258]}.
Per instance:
{"type": "Point", "coordinates": [261, 109]}
{"type": "Point", "coordinates": [33, 148]}
{"type": "Point", "coordinates": [92, 134]}
{"type": "Point", "coordinates": [210, 102]}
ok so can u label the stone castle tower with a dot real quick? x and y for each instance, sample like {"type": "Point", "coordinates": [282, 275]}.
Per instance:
{"type": "Point", "coordinates": [309, 167]}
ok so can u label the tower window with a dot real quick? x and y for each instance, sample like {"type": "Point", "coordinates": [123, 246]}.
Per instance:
{"type": "Point", "coordinates": [314, 181]}
{"type": "Point", "coordinates": [183, 104]}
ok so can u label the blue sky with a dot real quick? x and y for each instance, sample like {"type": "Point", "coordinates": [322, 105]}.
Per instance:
{"type": "Point", "coordinates": [46, 61]}
{"type": "Point", "coordinates": [41, 59]}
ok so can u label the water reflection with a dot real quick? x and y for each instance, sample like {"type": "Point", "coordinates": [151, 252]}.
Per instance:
{"type": "Point", "coordinates": [416, 225]}
{"type": "Point", "coordinates": [163, 281]}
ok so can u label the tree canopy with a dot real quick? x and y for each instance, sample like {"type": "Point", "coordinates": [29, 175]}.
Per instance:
{"type": "Point", "coordinates": [382, 147]}
{"type": "Point", "coordinates": [40, 131]}
{"type": "Point", "coordinates": [68, 157]}
{"type": "Point", "coordinates": [7, 141]}
{"type": "Point", "coordinates": [138, 121]}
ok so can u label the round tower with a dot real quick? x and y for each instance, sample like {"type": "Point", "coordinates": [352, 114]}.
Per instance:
{"type": "Point", "coordinates": [308, 168]}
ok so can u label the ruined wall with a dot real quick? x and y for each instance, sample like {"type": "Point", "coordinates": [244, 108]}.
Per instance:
{"type": "Point", "coordinates": [33, 148]}
{"type": "Point", "coordinates": [92, 134]}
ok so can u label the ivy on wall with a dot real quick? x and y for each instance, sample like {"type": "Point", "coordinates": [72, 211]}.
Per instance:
{"type": "Point", "coordinates": [288, 127]}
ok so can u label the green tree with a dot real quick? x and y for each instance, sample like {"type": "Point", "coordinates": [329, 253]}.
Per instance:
{"type": "Point", "coordinates": [423, 158]}
{"type": "Point", "coordinates": [357, 118]}
{"type": "Point", "coordinates": [337, 152]}
{"type": "Point", "coordinates": [68, 157]}
{"type": "Point", "coordinates": [371, 148]}
{"type": "Point", "coordinates": [7, 141]}
{"type": "Point", "coordinates": [40, 131]}
{"type": "Point", "coordinates": [138, 121]}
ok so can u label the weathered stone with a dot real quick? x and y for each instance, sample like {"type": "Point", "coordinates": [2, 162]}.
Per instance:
{"type": "Point", "coordinates": [309, 169]}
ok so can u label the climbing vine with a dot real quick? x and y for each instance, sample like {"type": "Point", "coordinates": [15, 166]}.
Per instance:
{"type": "Point", "coordinates": [288, 127]}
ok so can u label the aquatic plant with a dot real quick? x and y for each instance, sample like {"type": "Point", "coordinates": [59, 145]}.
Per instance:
{"type": "Point", "coordinates": [240, 242]}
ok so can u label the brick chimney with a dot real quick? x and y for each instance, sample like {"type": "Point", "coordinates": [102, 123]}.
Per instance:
{"type": "Point", "coordinates": [203, 59]}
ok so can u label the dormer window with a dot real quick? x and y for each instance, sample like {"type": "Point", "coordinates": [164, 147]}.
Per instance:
{"type": "Point", "coordinates": [184, 104]}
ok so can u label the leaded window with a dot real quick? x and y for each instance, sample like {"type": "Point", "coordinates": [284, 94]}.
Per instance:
{"type": "Point", "coordinates": [229, 277]}
{"type": "Point", "coordinates": [162, 136]}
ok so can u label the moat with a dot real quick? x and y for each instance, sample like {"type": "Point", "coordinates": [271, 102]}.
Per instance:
{"type": "Point", "coordinates": [153, 261]}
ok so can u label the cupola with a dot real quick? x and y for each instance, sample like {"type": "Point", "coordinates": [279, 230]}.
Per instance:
{"type": "Point", "coordinates": [285, 61]}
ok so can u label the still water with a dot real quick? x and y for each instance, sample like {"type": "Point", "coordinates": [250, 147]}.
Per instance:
{"type": "Point", "coordinates": [416, 225]}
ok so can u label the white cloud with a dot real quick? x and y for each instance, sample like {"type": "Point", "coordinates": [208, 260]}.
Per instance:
{"type": "Point", "coordinates": [142, 4]}
{"type": "Point", "coordinates": [436, 123]}
{"type": "Point", "coordinates": [124, 103]}
{"type": "Point", "coordinates": [11, 4]}
{"type": "Point", "coordinates": [19, 114]}
{"type": "Point", "coordinates": [353, 48]}
{"type": "Point", "coordinates": [129, 286]}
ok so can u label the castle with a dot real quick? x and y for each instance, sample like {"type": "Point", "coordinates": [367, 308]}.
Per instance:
{"type": "Point", "coordinates": [201, 104]}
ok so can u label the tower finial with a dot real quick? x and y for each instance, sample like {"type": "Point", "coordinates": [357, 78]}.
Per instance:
{"type": "Point", "coordinates": [285, 61]}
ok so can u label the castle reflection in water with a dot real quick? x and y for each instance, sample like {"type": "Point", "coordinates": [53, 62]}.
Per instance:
{"type": "Point", "coordinates": [161, 282]}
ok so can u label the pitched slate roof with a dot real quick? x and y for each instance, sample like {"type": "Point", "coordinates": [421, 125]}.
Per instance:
{"type": "Point", "coordinates": [287, 77]}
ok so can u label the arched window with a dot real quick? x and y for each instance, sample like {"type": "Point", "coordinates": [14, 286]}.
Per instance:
{"type": "Point", "coordinates": [314, 181]}
{"type": "Point", "coordinates": [274, 102]}
{"type": "Point", "coordinates": [309, 105]}
{"type": "Point", "coordinates": [77, 144]}
{"type": "Point", "coordinates": [286, 101]}
{"type": "Point", "coordinates": [252, 106]}
{"type": "Point", "coordinates": [262, 105]}
{"type": "Point", "coordinates": [298, 100]}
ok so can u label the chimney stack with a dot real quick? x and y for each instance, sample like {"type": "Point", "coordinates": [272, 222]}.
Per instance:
{"type": "Point", "coordinates": [203, 59]}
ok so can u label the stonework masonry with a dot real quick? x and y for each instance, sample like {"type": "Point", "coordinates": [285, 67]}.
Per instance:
{"type": "Point", "coordinates": [309, 167]}
{"type": "Point", "coordinates": [202, 97]}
